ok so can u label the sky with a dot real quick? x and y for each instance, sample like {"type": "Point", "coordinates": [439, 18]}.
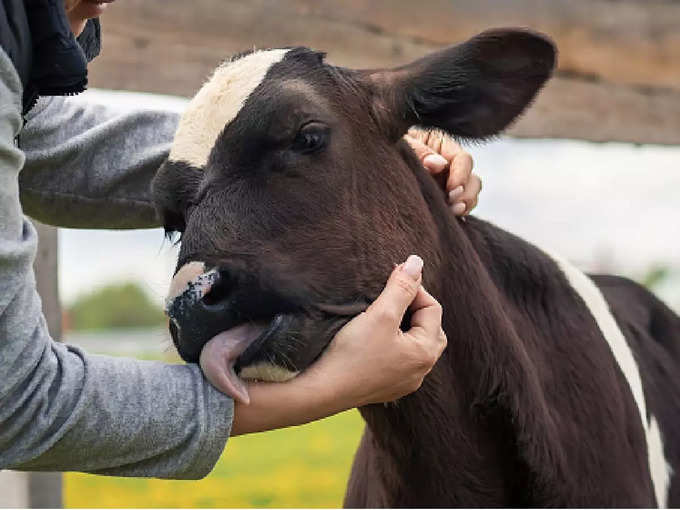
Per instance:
{"type": "Point", "coordinates": [613, 207]}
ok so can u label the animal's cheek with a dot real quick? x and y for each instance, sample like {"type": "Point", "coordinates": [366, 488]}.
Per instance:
{"type": "Point", "coordinates": [318, 334]}
{"type": "Point", "coordinates": [301, 345]}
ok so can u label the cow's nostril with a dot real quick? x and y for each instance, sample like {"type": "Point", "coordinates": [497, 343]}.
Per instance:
{"type": "Point", "coordinates": [220, 290]}
{"type": "Point", "coordinates": [197, 317]}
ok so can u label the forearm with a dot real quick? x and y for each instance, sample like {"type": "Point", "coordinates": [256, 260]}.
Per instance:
{"type": "Point", "coordinates": [113, 416]}
{"type": "Point", "coordinates": [90, 166]}
{"type": "Point", "coordinates": [301, 400]}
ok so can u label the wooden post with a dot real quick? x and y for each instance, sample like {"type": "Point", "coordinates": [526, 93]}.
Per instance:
{"type": "Point", "coordinates": [45, 489]}
{"type": "Point", "coordinates": [13, 489]}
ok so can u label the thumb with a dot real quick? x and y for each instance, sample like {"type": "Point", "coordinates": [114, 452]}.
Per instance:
{"type": "Point", "coordinates": [432, 161]}
{"type": "Point", "coordinates": [400, 291]}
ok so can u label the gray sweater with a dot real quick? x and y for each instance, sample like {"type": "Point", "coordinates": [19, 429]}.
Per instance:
{"type": "Point", "coordinates": [61, 409]}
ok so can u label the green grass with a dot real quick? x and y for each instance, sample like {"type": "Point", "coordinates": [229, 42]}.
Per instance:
{"type": "Point", "coordinates": [296, 467]}
{"type": "Point", "coordinates": [120, 305]}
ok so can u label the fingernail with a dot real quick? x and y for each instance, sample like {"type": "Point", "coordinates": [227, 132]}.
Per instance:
{"type": "Point", "coordinates": [455, 193]}
{"type": "Point", "coordinates": [459, 208]}
{"type": "Point", "coordinates": [413, 266]}
{"type": "Point", "coordinates": [435, 162]}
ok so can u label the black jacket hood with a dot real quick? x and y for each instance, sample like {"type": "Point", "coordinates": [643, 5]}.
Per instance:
{"type": "Point", "coordinates": [49, 60]}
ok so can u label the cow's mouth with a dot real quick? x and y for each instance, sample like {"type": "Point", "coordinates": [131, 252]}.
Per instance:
{"type": "Point", "coordinates": [224, 321]}
{"type": "Point", "coordinates": [240, 328]}
{"type": "Point", "coordinates": [226, 358]}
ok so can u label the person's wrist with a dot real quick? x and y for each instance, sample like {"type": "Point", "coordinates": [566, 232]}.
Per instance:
{"type": "Point", "coordinates": [284, 404]}
{"type": "Point", "coordinates": [325, 392]}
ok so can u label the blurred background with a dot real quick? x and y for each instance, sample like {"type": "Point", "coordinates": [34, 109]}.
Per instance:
{"type": "Point", "coordinates": [592, 171]}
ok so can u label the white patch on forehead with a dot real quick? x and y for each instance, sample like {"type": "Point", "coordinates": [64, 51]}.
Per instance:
{"type": "Point", "coordinates": [266, 372]}
{"type": "Point", "coordinates": [217, 104]}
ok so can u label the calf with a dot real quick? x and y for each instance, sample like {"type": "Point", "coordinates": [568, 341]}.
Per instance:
{"type": "Point", "coordinates": [295, 194]}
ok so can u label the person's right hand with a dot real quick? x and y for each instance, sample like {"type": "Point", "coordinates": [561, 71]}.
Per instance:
{"type": "Point", "coordinates": [371, 360]}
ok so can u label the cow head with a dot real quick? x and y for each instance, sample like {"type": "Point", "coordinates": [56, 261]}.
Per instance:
{"type": "Point", "coordinates": [295, 195]}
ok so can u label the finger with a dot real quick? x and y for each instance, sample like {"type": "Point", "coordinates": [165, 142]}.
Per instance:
{"type": "Point", "coordinates": [455, 193]}
{"type": "Point", "coordinates": [432, 161]}
{"type": "Point", "coordinates": [459, 208]}
{"type": "Point", "coordinates": [419, 134]}
{"type": "Point", "coordinates": [467, 200]}
{"type": "Point", "coordinates": [418, 146]}
{"type": "Point", "coordinates": [438, 141]}
{"type": "Point", "coordinates": [426, 321]}
{"type": "Point", "coordinates": [445, 145]}
{"type": "Point", "coordinates": [461, 168]}
{"type": "Point", "coordinates": [402, 287]}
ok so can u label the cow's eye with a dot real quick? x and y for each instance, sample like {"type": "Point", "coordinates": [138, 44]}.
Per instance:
{"type": "Point", "coordinates": [311, 137]}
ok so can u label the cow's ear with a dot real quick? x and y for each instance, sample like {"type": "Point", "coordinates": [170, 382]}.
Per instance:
{"type": "Point", "coordinates": [472, 90]}
{"type": "Point", "coordinates": [173, 190]}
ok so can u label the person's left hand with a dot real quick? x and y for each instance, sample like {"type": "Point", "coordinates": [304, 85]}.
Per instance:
{"type": "Point", "coordinates": [450, 165]}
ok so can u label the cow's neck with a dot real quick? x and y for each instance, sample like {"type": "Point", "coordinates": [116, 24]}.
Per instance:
{"type": "Point", "coordinates": [464, 419]}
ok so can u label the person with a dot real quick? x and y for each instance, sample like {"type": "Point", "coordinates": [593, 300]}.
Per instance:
{"type": "Point", "coordinates": [81, 165]}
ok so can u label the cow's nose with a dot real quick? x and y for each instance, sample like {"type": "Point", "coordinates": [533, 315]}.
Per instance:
{"type": "Point", "coordinates": [199, 308]}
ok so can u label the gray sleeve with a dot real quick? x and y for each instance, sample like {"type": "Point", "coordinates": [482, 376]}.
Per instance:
{"type": "Point", "coordinates": [61, 409]}
{"type": "Point", "coordinates": [90, 165]}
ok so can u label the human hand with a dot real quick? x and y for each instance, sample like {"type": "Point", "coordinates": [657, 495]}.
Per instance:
{"type": "Point", "coordinates": [450, 165]}
{"type": "Point", "coordinates": [387, 363]}
{"type": "Point", "coordinates": [370, 360]}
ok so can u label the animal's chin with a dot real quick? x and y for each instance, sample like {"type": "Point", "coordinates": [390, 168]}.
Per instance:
{"type": "Point", "coordinates": [286, 346]}
{"type": "Point", "coordinates": [231, 356]}
{"type": "Point", "coordinates": [256, 362]}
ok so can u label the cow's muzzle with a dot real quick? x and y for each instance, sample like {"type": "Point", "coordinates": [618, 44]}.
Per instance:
{"type": "Point", "coordinates": [227, 314]}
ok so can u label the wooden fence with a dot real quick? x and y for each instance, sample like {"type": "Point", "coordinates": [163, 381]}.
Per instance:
{"type": "Point", "coordinates": [619, 66]}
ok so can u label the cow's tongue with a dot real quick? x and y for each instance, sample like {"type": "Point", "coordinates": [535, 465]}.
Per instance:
{"type": "Point", "coordinates": [219, 355]}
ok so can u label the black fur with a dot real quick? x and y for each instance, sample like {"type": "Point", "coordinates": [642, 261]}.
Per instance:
{"type": "Point", "coordinates": [473, 90]}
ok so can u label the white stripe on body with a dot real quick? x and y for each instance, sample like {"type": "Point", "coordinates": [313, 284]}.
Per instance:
{"type": "Point", "coordinates": [217, 104]}
{"type": "Point", "coordinates": [592, 297]}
